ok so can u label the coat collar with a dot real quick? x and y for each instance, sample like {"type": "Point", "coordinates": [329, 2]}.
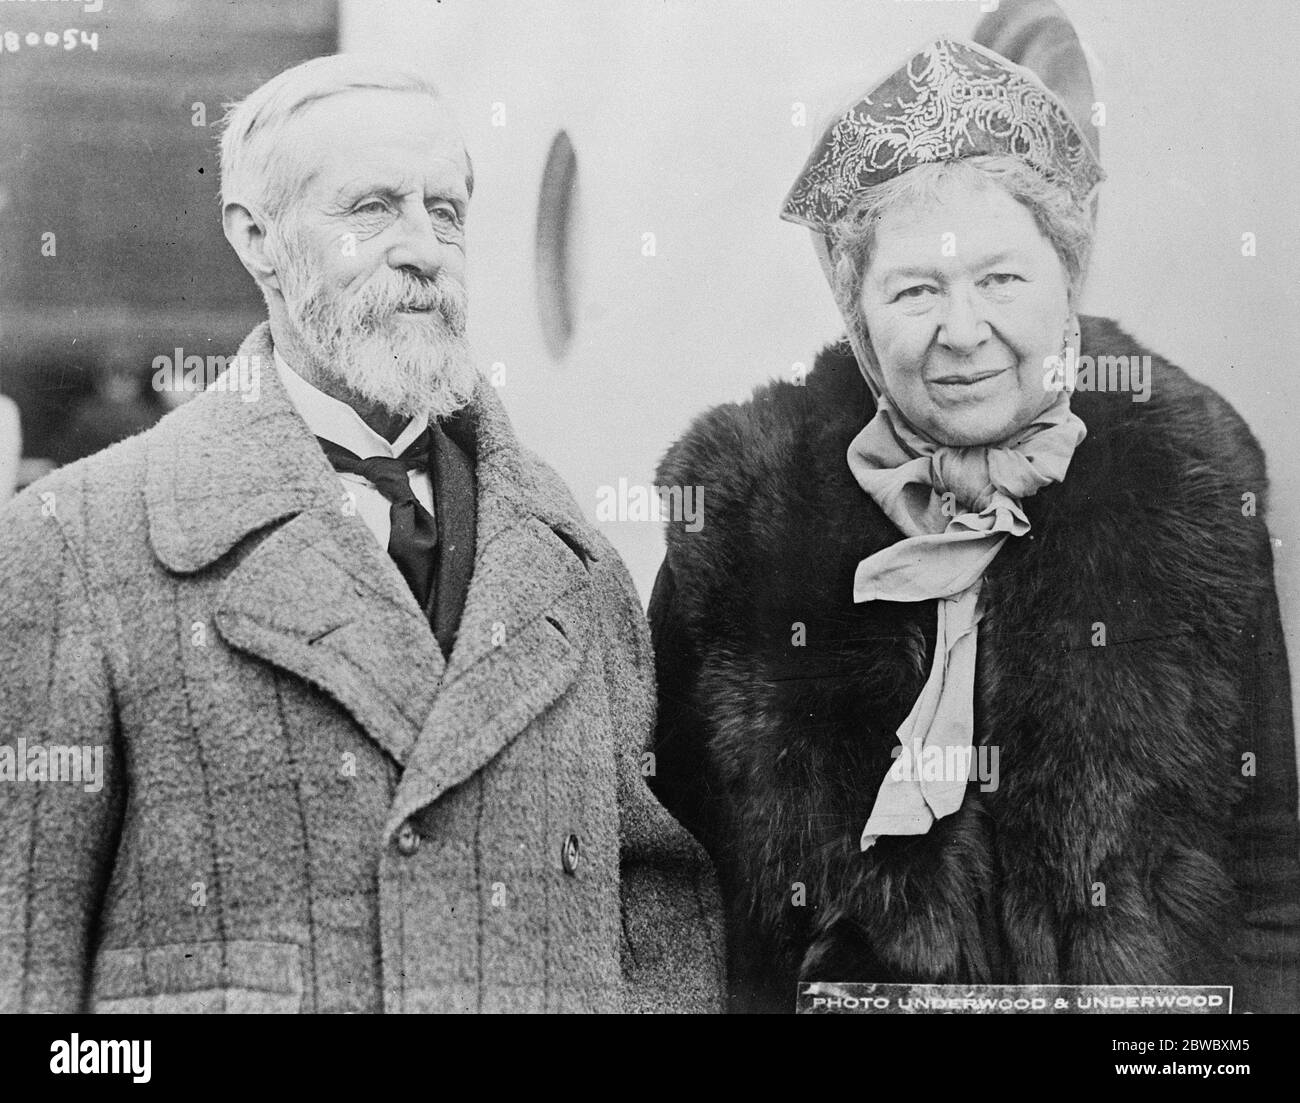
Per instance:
{"type": "Point", "coordinates": [241, 486]}
{"type": "Point", "coordinates": [210, 485]}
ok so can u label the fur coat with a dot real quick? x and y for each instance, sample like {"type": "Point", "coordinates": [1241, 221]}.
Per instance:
{"type": "Point", "coordinates": [1131, 675]}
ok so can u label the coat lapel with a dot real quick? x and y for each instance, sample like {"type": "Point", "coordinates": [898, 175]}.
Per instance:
{"type": "Point", "coordinates": [314, 599]}
{"type": "Point", "coordinates": [311, 592]}
{"type": "Point", "coordinates": [528, 618]}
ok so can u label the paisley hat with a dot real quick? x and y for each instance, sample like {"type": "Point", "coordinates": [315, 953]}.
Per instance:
{"type": "Point", "coordinates": [951, 100]}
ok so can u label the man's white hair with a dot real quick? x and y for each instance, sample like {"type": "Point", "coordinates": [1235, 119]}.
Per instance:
{"type": "Point", "coordinates": [257, 164]}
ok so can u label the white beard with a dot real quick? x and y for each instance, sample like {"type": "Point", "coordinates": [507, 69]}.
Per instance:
{"type": "Point", "coordinates": [419, 365]}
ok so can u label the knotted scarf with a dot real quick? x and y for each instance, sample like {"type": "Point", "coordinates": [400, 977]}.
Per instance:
{"type": "Point", "coordinates": [956, 506]}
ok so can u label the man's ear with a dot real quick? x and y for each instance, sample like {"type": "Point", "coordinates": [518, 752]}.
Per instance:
{"type": "Point", "coordinates": [246, 230]}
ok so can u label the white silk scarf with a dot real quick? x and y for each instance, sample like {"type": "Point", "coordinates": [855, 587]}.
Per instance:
{"type": "Point", "coordinates": [956, 508]}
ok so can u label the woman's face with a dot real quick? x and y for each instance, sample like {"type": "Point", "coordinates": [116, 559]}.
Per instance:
{"type": "Point", "coordinates": [964, 300]}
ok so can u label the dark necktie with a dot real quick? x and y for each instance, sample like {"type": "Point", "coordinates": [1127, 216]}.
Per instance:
{"type": "Point", "coordinates": [413, 531]}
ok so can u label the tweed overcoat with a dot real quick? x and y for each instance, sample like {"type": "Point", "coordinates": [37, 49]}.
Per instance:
{"type": "Point", "coordinates": [303, 806]}
{"type": "Point", "coordinates": [1131, 676]}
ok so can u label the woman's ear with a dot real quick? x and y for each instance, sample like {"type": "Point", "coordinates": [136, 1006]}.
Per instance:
{"type": "Point", "coordinates": [1072, 336]}
{"type": "Point", "coordinates": [247, 230]}
{"type": "Point", "coordinates": [860, 339]}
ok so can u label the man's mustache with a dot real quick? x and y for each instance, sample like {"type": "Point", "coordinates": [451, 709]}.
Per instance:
{"type": "Point", "coordinates": [437, 295]}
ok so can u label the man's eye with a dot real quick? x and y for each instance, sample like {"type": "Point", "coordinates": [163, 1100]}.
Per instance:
{"type": "Point", "coordinates": [1001, 279]}
{"type": "Point", "coordinates": [915, 292]}
{"type": "Point", "coordinates": [371, 206]}
{"type": "Point", "coordinates": [445, 214]}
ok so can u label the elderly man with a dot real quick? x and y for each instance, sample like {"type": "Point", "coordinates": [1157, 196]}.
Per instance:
{"type": "Point", "coordinates": [321, 695]}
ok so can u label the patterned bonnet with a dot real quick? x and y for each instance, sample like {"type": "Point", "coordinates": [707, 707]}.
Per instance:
{"type": "Point", "coordinates": [952, 100]}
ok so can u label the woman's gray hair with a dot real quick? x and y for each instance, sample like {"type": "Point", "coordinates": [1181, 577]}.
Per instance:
{"type": "Point", "coordinates": [1067, 224]}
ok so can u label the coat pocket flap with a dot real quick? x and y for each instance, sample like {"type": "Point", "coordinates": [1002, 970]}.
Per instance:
{"type": "Point", "coordinates": [239, 975]}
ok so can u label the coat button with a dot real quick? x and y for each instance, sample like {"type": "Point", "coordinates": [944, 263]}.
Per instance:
{"type": "Point", "coordinates": [408, 839]}
{"type": "Point", "coordinates": [569, 855]}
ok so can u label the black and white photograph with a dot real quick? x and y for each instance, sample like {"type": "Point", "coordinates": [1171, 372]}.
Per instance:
{"type": "Point", "coordinates": [733, 507]}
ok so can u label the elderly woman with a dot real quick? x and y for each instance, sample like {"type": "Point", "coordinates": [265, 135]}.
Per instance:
{"type": "Point", "coordinates": [974, 671]}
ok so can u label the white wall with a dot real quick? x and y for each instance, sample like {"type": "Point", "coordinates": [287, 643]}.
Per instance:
{"type": "Point", "coordinates": [681, 114]}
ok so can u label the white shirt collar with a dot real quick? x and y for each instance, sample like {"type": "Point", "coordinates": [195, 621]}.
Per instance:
{"type": "Point", "coordinates": [337, 421]}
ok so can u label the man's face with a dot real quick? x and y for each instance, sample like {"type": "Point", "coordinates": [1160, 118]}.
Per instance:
{"type": "Point", "coordinates": [371, 257]}
{"type": "Point", "coordinates": [961, 334]}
